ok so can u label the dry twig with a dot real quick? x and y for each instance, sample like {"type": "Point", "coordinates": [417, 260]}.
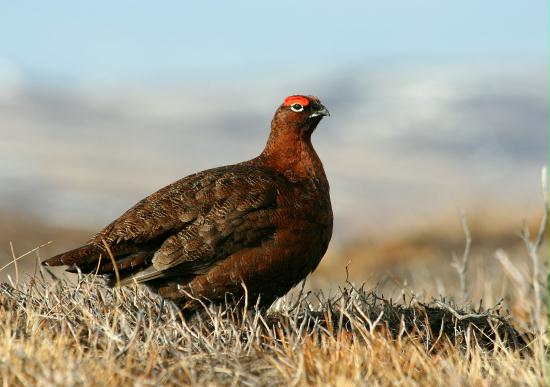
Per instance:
{"type": "Point", "coordinates": [533, 247]}
{"type": "Point", "coordinates": [461, 265]}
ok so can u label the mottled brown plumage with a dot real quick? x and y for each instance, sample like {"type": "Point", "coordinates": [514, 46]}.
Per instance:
{"type": "Point", "coordinates": [263, 224]}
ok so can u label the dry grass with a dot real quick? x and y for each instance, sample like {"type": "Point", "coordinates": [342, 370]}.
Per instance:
{"type": "Point", "coordinates": [56, 333]}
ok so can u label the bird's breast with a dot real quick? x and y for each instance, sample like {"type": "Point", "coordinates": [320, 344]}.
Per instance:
{"type": "Point", "coordinates": [304, 217]}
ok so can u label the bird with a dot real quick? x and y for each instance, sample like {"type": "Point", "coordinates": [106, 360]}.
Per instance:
{"type": "Point", "coordinates": [247, 232]}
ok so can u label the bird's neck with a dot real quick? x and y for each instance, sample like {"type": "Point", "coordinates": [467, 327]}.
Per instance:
{"type": "Point", "coordinates": [292, 154]}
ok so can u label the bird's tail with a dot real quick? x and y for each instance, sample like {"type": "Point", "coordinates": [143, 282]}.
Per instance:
{"type": "Point", "coordinates": [80, 256]}
{"type": "Point", "coordinates": [93, 259]}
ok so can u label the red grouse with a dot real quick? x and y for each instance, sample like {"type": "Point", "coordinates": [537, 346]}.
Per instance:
{"type": "Point", "coordinates": [261, 225]}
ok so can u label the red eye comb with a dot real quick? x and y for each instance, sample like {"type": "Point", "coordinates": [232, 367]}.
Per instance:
{"type": "Point", "coordinates": [296, 99]}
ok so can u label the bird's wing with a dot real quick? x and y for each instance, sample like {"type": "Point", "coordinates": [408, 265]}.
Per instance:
{"type": "Point", "coordinates": [242, 218]}
{"type": "Point", "coordinates": [189, 225]}
{"type": "Point", "coordinates": [147, 223]}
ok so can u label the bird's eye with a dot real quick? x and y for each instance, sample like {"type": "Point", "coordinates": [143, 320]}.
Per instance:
{"type": "Point", "coordinates": [296, 107]}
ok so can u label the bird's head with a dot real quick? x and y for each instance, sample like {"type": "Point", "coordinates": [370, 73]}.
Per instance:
{"type": "Point", "coordinates": [289, 149]}
{"type": "Point", "coordinates": [299, 114]}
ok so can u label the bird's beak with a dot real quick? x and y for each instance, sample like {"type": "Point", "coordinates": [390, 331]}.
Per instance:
{"type": "Point", "coordinates": [320, 111]}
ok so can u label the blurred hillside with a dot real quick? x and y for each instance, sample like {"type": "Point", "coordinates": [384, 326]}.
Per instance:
{"type": "Point", "coordinates": [402, 142]}
{"type": "Point", "coordinates": [406, 144]}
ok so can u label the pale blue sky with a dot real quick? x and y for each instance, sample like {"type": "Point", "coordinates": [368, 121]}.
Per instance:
{"type": "Point", "coordinates": [110, 41]}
